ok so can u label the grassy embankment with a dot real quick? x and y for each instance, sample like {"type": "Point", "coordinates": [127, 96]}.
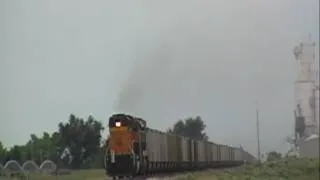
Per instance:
{"type": "Point", "coordinates": [96, 174]}
{"type": "Point", "coordinates": [293, 169]}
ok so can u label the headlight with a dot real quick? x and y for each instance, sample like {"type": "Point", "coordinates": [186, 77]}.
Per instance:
{"type": "Point", "coordinates": [118, 124]}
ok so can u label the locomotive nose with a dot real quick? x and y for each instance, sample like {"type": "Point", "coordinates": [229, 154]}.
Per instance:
{"type": "Point", "coordinates": [120, 165]}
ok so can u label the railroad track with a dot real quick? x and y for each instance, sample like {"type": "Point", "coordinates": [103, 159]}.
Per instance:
{"type": "Point", "coordinates": [144, 178]}
{"type": "Point", "coordinates": [162, 176]}
{"type": "Point", "coordinates": [170, 176]}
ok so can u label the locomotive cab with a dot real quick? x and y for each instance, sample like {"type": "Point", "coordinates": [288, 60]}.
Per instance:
{"type": "Point", "coordinates": [125, 146]}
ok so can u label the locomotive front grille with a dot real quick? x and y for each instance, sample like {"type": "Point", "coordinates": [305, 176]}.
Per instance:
{"type": "Point", "coordinates": [121, 165]}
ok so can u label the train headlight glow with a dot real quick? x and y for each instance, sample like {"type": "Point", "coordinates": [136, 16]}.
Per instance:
{"type": "Point", "coordinates": [118, 124]}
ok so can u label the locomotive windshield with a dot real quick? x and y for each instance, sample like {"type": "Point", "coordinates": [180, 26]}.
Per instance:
{"type": "Point", "coordinates": [120, 120]}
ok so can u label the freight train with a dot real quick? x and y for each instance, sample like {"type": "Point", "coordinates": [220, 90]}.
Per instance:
{"type": "Point", "coordinates": [134, 149]}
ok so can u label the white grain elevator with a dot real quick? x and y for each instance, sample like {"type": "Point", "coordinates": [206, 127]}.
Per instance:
{"type": "Point", "coordinates": [306, 90]}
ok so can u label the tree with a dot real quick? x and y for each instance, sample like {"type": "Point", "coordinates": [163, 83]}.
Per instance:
{"type": "Point", "coordinates": [190, 127]}
{"type": "Point", "coordinates": [274, 156]}
{"type": "Point", "coordinates": [39, 149]}
{"type": "Point", "coordinates": [3, 153]}
{"type": "Point", "coordinates": [15, 153]}
{"type": "Point", "coordinates": [81, 138]}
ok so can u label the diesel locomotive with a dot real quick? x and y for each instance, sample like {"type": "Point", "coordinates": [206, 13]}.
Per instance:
{"type": "Point", "coordinates": [126, 146]}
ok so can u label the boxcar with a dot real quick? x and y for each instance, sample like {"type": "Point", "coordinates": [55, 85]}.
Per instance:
{"type": "Point", "coordinates": [215, 152]}
{"type": "Point", "coordinates": [208, 150]}
{"type": "Point", "coordinates": [238, 155]}
{"type": "Point", "coordinates": [231, 153]}
{"type": "Point", "coordinates": [191, 150]}
{"type": "Point", "coordinates": [157, 150]}
{"type": "Point", "coordinates": [172, 148]}
{"type": "Point", "coordinates": [155, 145]}
{"type": "Point", "coordinates": [185, 150]}
{"type": "Point", "coordinates": [248, 157]}
{"type": "Point", "coordinates": [223, 153]}
{"type": "Point", "coordinates": [201, 151]}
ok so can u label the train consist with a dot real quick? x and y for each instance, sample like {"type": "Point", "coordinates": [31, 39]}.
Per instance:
{"type": "Point", "coordinates": [134, 149]}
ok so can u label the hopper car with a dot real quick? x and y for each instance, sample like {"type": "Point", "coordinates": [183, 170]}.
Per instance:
{"type": "Point", "coordinates": [135, 149]}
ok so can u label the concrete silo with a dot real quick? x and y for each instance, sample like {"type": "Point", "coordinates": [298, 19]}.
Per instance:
{"type": "Point", "coordinates": [307, 100]}
{"type": "Point", "coordinates": [305, 89]}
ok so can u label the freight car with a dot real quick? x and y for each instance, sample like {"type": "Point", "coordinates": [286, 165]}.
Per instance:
{"type": "Point", "coordinates": [134, 149]}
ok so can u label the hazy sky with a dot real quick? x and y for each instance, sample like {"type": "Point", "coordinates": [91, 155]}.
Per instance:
{"type": "Point", "coordinates": [161, 60]}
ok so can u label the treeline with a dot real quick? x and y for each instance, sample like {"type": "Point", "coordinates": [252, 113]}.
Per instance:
{"type": "Point", "coordinates": [78, 143]}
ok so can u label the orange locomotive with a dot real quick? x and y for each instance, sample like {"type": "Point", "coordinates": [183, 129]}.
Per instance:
{"type": "Point", "coordinates": [126, 145]}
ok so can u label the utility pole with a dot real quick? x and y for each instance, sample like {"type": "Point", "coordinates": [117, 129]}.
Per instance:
{"type": "Point", "coordinates": [258, 135]}
{"type": "Point", "coordinates": [314, 108]}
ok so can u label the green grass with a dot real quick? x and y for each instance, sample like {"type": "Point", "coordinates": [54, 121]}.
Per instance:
{"type": "Point", "coordinates": [93, 174]}
{"type": "Point", "coordinates": [292, 169]}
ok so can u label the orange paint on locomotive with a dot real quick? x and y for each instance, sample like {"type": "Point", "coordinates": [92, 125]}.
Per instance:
{"type": "Point", "coordinates": [120, 140]}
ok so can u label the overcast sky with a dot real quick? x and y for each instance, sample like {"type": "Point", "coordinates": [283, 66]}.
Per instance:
{"type": "Point", "coordinates": [161, 60]}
